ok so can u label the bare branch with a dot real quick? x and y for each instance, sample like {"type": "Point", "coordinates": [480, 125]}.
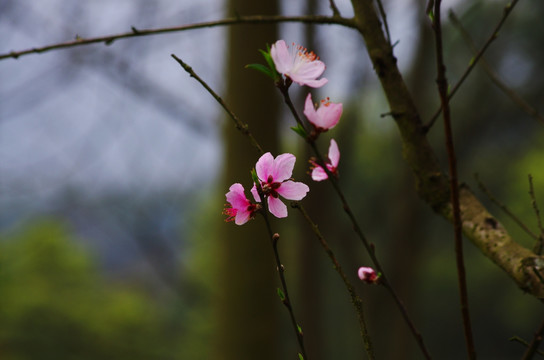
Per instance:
{"type": "Point", "coordinates": [240, 125]}
{"type": "Point", "coordinates": [507, 10]}
{"type": "Point", "coordinates": [540, 240]}
{"type": "Point", "coordinates": [504, 208]}
{"type": "Point", "coordinates": [531, 111]}
{"type": "Point", "coordinates": [355, 299]}
{"type": "Point", "coordinates": [532, 348]}
{"type": "Point", "coordinates": [334, 8]}
{"type": "Point", "coordinates": [442, 84]}
{"type": "Point", "coordinates": [384, 19]}
{"type": "Point", "coordinates": [254, 19]}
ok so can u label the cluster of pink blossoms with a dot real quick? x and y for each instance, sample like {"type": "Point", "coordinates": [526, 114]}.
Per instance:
{"type": "Point", "coordinates": [274, 174]}
{"type": "Point", "coordinates": [274, 180]}
{"type": "Point", "coordinates": [303, 67]}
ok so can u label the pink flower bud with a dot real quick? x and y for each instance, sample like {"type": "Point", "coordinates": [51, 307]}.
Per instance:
{"type": "Point", "coordinates": [368, 275]}
{"type": "Point", "coordinates": [318, 173]}
{"type": "Point", "coordinates": [325, 117]}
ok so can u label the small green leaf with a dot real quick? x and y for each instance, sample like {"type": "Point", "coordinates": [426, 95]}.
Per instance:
{"type": "Point", "coordinates": [259, 67]}
{"type": "Point", "coordinates": [268, 58]}
{"type": "Point", "coordinates": [300, 357]}
{"type": "Point", "coordinates": [300, 130]}
{"type": "Point", "coordinates": [254, 176]}
{"type": "Point", "coordinates": [471, 62]}
{"type": "Point", "coordinates": [431, 15]}
{"type": "Point", "coordinates": [281, 294]}
{"type": "Point", "coordinates": [299, 329]}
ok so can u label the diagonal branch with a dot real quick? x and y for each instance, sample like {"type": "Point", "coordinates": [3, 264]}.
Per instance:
{"type": "Point", "coordinates": [518, 100]}
{"type": "Point", "coordinates": [253, 19]}
{"type": "Point", "coordinates": [355, 299]}
{"type": "Point", "coordinates": [507, 10]}
{"type": "Point", "coordinates": [532, 348]}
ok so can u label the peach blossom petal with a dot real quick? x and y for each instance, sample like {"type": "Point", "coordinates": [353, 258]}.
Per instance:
{"type": "Point", "coordinates": [277, 207]}
{"type": "Point", "coordinates": [318, 174]}
{"type": "Point", "coordinates": [334, 154]}
{"type": "Point", "coordinates": [264, 166]}
{"type": "Point", "coordinates": [281, 57]}
{"type": "Point", "coordinates": [283, 167]}
{"type": "Point", "coordinates": [293, 190]}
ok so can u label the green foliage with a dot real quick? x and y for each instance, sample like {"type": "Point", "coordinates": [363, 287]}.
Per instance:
{"type": "Point", "coordinates": [300, 131]}
{"type": "Point", "coordinates": [265, 70]}
{"type": "Point", "coordinates": [54, 304]}
{"type": "Point", "coordinates": [269, 70]}
{"type": "Point", "coordinates": [281, 294]}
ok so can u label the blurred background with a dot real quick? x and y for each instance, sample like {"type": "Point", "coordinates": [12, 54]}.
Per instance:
{"type": "Point", "coordinates": [114, 165]}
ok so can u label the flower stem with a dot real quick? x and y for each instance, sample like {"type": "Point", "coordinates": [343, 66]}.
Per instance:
{"type": "Point", "coordinates": [355, 299]}
{"type": "Point", "coordinates": [274, 238]}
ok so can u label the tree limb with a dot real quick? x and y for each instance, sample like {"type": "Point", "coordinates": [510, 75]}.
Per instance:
{"type": "Point", "coordinates": [252, 19]}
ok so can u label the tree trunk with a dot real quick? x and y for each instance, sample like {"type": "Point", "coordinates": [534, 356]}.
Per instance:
{"type": "Point", "coordinates": [247, 303]}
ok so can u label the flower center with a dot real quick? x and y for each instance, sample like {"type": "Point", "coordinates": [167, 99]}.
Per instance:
{"type": "Point", "coordinates": [303, 53]}
{"type": "Point", "coordinates": [269, 187]}
{"type": "Point", "coordinates": [300, 57]}
{"type": "Point", "coordinates": [229, 212]}
{"type": "Point", "coordinates": [326, 102]}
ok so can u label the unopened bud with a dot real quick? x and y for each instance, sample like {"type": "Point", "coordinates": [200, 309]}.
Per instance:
{"type": "Point", "coordinates": [368, 275]}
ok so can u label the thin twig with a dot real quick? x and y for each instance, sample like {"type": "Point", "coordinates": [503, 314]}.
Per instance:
{"type": "Point", "coordinates": [522, 104]}
{"type": "Point", "coordinates": [368, 246]}
{"type": "Point", "coordinates": [524, 342]}
{"type": "Point", "coordinates": [503, 207]}
{"type": "Point", "coordinates": [540, 241]}
{"type": "Point", "coordinates": [507, 10]}
{"type": "Point", "coordinates": [384, 20]}
{"type": "Point", "coordinates": [240, 125]}
{"type": "Point", "coordinates": [243, 128]}
{"type": "Point", "coordinates": [442, 83]}
{"type": "Point", "coordinates": [532, 348]}
{"type": "Point", "coordinates": [334, 8]}
{"type": "Point", "coordinates": [253, 19]}
{"type": "Point", "coordinates": [355, 299]}
{"type": "Point", "coordinates": [274, 237]}
{"type": "Point", "coordinates": [536, 271]}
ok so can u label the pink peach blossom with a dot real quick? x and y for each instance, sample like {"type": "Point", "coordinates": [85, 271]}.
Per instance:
{"type": "Point", "coordinates": [368, 275]}
{"type": "Point", "coordinates": [239, 208]}
{"type": "Point", "coordinates": [318, 173]}
{"type": "Point", "coordinates": [274, 176]}
{"type": "Point", "coordinates": [326, 116]}
{"type": "Point", "coordinates": [298, 64]}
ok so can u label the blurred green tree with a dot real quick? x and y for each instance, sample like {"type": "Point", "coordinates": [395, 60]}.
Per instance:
{"type": "Point", "coordinates": [54, 304]}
